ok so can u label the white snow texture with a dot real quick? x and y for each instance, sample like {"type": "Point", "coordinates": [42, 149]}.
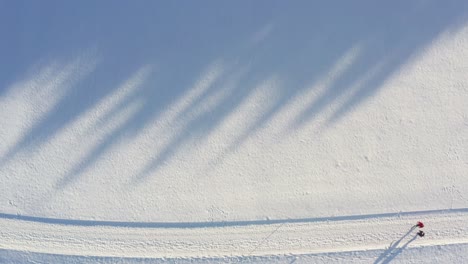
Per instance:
{"type": "Point", "coordinates": [233, 131]}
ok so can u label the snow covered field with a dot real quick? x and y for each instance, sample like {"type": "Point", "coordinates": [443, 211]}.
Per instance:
{"type": "Point", "coordinates": [233, 131]}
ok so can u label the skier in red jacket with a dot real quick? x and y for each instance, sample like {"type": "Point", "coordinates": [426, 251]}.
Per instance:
{"type": "Point", "coordinates": [420, 224]}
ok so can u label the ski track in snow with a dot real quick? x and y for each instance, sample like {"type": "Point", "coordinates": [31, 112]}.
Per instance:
{"type": "Point", "coordinates": [389, 232]}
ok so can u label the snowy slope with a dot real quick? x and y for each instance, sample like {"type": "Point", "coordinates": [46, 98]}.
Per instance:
{"type": "Point", "coordinates": [393, 233]}
{"type": "Point", "coordinates": [427, 254]}
{"type": "Point", "coordinates": [229, 113]}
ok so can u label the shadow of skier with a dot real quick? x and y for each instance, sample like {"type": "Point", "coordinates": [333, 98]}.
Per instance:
{"type": "Point", "coordinates": [394, 250]}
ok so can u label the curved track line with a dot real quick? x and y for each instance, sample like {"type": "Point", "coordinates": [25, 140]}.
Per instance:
{"type": "Point", "coordinates": [293, 236]}
{"type": "Point", "coordinates": [75, 222]}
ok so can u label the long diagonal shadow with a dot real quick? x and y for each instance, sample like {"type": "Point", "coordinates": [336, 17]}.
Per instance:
{"type": "Point", "coordinates": [390, 251]}
{"type": "Point", "coordinates": [390, 254]}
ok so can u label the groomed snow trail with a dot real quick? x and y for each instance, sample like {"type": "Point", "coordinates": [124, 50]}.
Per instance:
{"type": "Point", "coordinates": [294, 236]}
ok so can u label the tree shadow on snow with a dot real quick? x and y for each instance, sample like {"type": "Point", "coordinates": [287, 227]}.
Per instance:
{"type": "Point", "coordinates": [203, 62]}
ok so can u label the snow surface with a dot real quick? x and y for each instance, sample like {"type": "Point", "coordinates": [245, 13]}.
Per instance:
{"type": "Point", "coordinates": [184, 240]}
{"type": "Point", "coordinates": [208, 118]}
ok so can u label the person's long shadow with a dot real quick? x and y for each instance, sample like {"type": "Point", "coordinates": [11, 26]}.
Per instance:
{"type": "Point", "coordinates": [394, 250]}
